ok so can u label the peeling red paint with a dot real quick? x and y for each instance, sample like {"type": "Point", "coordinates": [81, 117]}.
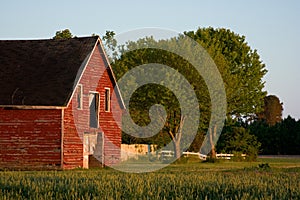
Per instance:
{"type": "Point", "coordinates": [54, 137]}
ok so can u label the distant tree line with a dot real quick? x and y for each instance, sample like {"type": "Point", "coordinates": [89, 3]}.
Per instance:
{"type": "Point", "coordinates": [282, 138]}
{"type": "Point", "coordinates": [267, 132]}
{"type": "Point", "coordinates": [277, 136]}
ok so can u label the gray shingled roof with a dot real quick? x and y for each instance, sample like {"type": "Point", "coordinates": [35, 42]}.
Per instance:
{"type": "Point", "coordinates": [41, 72]}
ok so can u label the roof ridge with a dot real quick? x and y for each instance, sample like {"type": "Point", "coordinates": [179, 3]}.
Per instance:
{"type": "Point", "coordinates": [48, 39]}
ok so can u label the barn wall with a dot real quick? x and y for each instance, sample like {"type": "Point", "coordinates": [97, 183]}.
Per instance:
{"type": "Point", "coordinates": [76, 121]}
{"type": "Point", "coordinates": [72, 142]}
{"type": "Point", "coordinates": [30, 138]}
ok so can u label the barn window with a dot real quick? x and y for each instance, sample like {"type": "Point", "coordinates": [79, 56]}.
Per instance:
{"type": "Point", "coordinates": [79, 96]}
{"type": "Point", "coordinates": [94, 101]}
{"type": "Point", "coordinates": [107, 100]}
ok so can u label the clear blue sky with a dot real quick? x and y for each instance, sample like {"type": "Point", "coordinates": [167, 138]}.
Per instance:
{"type": "Point", "coordinates": [271, 27]}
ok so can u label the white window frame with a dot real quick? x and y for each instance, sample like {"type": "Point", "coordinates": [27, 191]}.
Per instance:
{"type": "Point", "coordinates": [98, 111]}
{"type": "Point", "coordinates": [80, 95]}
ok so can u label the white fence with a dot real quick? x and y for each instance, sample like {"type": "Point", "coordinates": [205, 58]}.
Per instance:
{"type": "Point", "coordinates": [219, 155]}
{"type": "Point", "coordinates": [136, 150]}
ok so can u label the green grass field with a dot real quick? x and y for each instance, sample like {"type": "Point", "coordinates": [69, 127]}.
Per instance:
{"type": "Point", "coordinates": [192, 180]}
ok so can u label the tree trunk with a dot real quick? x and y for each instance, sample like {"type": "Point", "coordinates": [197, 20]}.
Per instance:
{"type": "Point", "coordinates": [177, 149]}
{"type": "Point", "coordinates": [212, 136]}
{"type": "Point", "coordinates": [176, 143]}
{"type": "Point", "coordinates": [176, 138]}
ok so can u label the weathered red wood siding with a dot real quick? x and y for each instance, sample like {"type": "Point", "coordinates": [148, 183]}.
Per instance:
{"type": "Point", "coordinates": [72, 142]}
{"type": "Point", "coordinates": [76, 121]}
{"type": "Point", "coordinates": [30, 138]}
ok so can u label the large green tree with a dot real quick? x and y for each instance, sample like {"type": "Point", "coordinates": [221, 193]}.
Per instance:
{"type": "Point", "coordinates": [240, 67]}
{"type": "Point", "coordinates": [139, 53]}
{"type": "Point", "coordinates": [238, 63]}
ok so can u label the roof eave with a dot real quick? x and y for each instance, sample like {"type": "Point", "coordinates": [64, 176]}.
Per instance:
{"type": "Point", "coordinates": [32, 107]}
{"type": "Point", "coordinates": [83, 67]}
{"type": "Point", "coordinates": [113, 75]}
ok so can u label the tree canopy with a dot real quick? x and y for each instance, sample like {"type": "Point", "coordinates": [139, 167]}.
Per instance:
{"type": "Point", "coordinates": [240, 67]}
{"type": "Point", "coordinates": [63, 34]}
{"type": "Point", "coordinates": [237, 139]}
{"type": "Point", "coordinates": [161, 93]}
{"type": "Point", "coordinates": [272, 110]}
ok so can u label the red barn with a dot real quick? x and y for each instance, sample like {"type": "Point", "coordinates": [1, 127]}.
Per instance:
{"type": "Point", "coordinates": [60, 106]}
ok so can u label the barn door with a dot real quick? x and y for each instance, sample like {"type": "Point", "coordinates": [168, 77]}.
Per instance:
{"type": "Point", "coordinates": [93, 150]}
{"type": "Point", "coordinates": [97, 159]}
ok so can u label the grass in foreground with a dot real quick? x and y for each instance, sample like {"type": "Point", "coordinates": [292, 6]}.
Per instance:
{"type": "Point", "coordinates": [225, 180]}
